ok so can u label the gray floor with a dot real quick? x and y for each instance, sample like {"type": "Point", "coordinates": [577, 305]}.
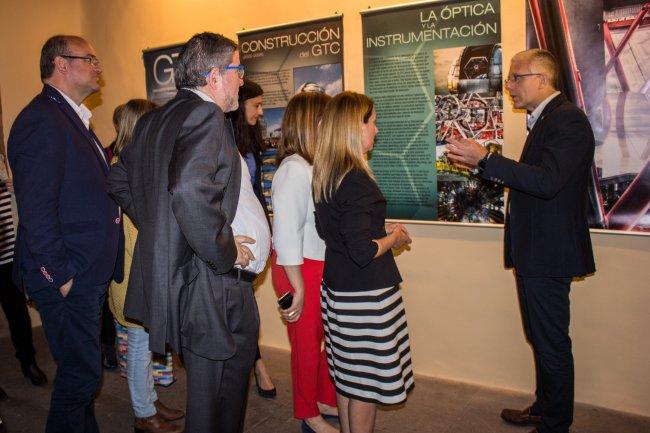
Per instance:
{"type": "Point", "coordinates": [434, 406]}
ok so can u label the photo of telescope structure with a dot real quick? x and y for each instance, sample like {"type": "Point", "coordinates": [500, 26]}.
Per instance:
{"type": "Point", "coordinates": [469, 104]}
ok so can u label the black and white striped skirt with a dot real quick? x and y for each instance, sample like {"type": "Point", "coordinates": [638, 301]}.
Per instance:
{"type": "Point", "coordinates": [367, 344]}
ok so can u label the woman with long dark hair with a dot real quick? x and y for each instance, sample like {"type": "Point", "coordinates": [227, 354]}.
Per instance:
{"type": "Point", "coordinates": [248, 136]}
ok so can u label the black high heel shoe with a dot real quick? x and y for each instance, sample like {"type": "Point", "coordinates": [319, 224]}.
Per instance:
{"type": "Point", "coordinates": [304, 428]}
{"type": "Point", "coordinates": [34, 374]}
{"type": "Point", "coordinates": [331, 418]}
{"type": "Point", "coordinates": [264, 393]}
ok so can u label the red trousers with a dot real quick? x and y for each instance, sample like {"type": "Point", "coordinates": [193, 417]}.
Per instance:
{"type": "Point", "coordinates": [309, 372]}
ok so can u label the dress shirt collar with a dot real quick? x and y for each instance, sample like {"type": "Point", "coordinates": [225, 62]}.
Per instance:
{"type": "Point", "coordinates": [82, 111]}
{"type": "Point", "coordinates": [201, 94]}
{"type": "Point", "coordinates": [532, 117]}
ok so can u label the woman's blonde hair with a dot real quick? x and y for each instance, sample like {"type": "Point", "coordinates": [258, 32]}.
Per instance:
{"type": "Point", "coordinates": [300, 125]}
{"type": "Point", "coordinates": [339, 147]}
{"type": "Point", "coordinates": [126, 118]}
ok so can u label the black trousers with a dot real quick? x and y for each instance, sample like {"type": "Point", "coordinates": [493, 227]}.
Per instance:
{"type": "Point", "coordinates": [217, 389]}
{"type": "Point", "coordinates": [545, 310]}
{"type": "Point", "coordinates": [108, 333]}
{"type": "Point", "coordinates": [71, 326]}
{"type": "Point", "coordinates": [14, 306]}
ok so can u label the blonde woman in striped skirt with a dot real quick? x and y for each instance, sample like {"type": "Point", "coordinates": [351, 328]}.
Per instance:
{"type": "Point", "coordinates": [366, 336]}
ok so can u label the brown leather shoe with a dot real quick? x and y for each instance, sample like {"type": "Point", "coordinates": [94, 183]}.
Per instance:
{"type": "Point", "coordinates": [155, 424]}
{"type": "Point", "coordinates": [167, 413]}
{"type": "Point", "coordinates": [520, 417]}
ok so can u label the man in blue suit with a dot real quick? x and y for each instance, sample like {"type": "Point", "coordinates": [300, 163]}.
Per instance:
{"type": "Point", "coordinates": [69, 228]}
{"type": "Point", "coordinates": [547, 239]}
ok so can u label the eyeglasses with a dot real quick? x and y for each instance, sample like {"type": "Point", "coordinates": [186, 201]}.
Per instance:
{"type": "Point", "coordinates": [238, 68]}
{"type": "Point", "coordinates": [517, 77]}
{"type": "Point", "coordinates": [90, 59]}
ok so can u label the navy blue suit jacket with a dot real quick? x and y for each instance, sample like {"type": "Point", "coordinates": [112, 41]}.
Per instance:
{"type": "Point", "coordinates": [68, 225]}
{"type": "Point", "coordinates": [546, 230]}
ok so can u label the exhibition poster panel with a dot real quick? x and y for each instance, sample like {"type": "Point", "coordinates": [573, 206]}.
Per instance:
{"type": "Point", "coordinates": [159, 73]}
{"type": "Point", "coordinates": [284, 60]}
{"type": "Point", "coordinates": [435, 71]}
{"type": "Point", "coordinates": [603, 48]}
{"type": "Point", "coordinates": [2, 140]}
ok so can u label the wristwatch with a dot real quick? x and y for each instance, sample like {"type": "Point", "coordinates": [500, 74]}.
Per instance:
{"type": "Point", "coordinates": [481, 163]}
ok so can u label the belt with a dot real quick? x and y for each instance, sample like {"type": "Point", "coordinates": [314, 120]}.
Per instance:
{"type": "Point", "coordinates": [242, 274]}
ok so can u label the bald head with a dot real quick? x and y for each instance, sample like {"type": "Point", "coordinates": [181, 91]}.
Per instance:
{"type": "Point", "coordinates": [540, 61]}
{"type": "Point", "coordinates": [58, 45]}
{"type": "Point", "coordinates": [70, 64]}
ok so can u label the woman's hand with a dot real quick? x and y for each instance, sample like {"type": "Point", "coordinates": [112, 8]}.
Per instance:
{"type": "Point", "coordinates": [294, 275]}
{"type": "Point", "coordinates": [401, 236]}
{"type": "Point", "coordinates": [390, 228]}
{"type": "Point", "coordinates": [10, 185]}
{"type": "Point", "coordinates": [293, 313]}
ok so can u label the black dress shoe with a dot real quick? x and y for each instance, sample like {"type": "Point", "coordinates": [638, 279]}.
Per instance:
{"type": "Point", "coordinates": [109, 357]}
{"type": "Point", "coordinates": [2, 427]}
{"type": "Point", "coordinates": [34, 374]}
{"type": "Point", "coordinates": [520, 417]}
{"type": "Point", "coordinates": [3, 394]}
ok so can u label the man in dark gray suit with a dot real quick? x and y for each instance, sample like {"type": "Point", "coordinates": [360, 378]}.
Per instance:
{"type": "Point", "coordinates": [181, 181]}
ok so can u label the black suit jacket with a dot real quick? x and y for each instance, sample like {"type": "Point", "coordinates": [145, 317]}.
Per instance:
{"type": "Point", "coordinates": [68, 225]}
{"type": "Point", "coordinates": [546, 229]}
{"type": "Point", "coordinates": [348, 223]}
{"type": "Point", "coordinates": [179, 180]}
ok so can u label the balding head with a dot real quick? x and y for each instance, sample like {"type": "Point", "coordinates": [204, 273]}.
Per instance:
{"type": "Point", "coordinates": [541, 61]}
{"type": "Point", "coordinates": [532, 78]}
{"type": "Point", "coordinates": [70, 64]}
{"type": "Point", "coordinates": [58, 45]}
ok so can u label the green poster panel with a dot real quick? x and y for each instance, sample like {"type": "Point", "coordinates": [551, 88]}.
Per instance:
{"type": "Point", "coordinates": [434, 71]}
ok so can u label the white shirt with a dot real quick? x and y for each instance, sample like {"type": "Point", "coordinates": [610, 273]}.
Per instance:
{"type": "Point", "coordinates": [294, 226]}
{"type": "Point", "coordinates": [84, 114]}
{"type": "Point", "coordinates": [532, 117]}
{"type": "Point", "coordinates": [250, 219]}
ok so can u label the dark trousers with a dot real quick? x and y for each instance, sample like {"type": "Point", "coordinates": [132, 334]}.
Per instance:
{"type": "Point", "coordinates": [217, 389]}
{"type": "Point", "coordinates": [545, 310]}
{"type": "Point", "coordinates": [14, 306]}
{"type": "Point", "coordinates": [71, 325]}
{"type": "Point", "coordinates": [108, 333]}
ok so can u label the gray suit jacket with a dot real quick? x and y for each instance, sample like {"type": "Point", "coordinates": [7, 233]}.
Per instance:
{"type": "Point", "coordinates": [179, 180]}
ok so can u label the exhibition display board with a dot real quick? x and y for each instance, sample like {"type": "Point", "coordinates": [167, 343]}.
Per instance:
{"type": "Point", "coordinates": [2, 139]}
{"type": "Point", "coordinates": [461, 304]}
{"type": "Point", "coordinates": [159, 72]}
{"type": "Point", "coordinates": [602, 47]}
{"type": "Point", "coordinates": [287, 59]}
{"type": "Point", "coordinates": [434, 71]}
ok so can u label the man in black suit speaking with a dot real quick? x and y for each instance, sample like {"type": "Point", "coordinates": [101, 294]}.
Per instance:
{"type": "Point", "coordinates": [202, 234]}
{"type": "Point", "coordinates": [546, 232]}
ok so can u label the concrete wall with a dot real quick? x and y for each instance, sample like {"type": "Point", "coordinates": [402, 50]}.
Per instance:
{"type": "Point", "coordinates": [461, 303]}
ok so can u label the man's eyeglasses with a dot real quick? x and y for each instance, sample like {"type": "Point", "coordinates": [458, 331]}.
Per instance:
{"type": "Point", "coordinates": [517, 77]}
{"type": "Point", "coordinates": [238, 68]}
{"type": "Point", "coordinates": [91, 60]}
